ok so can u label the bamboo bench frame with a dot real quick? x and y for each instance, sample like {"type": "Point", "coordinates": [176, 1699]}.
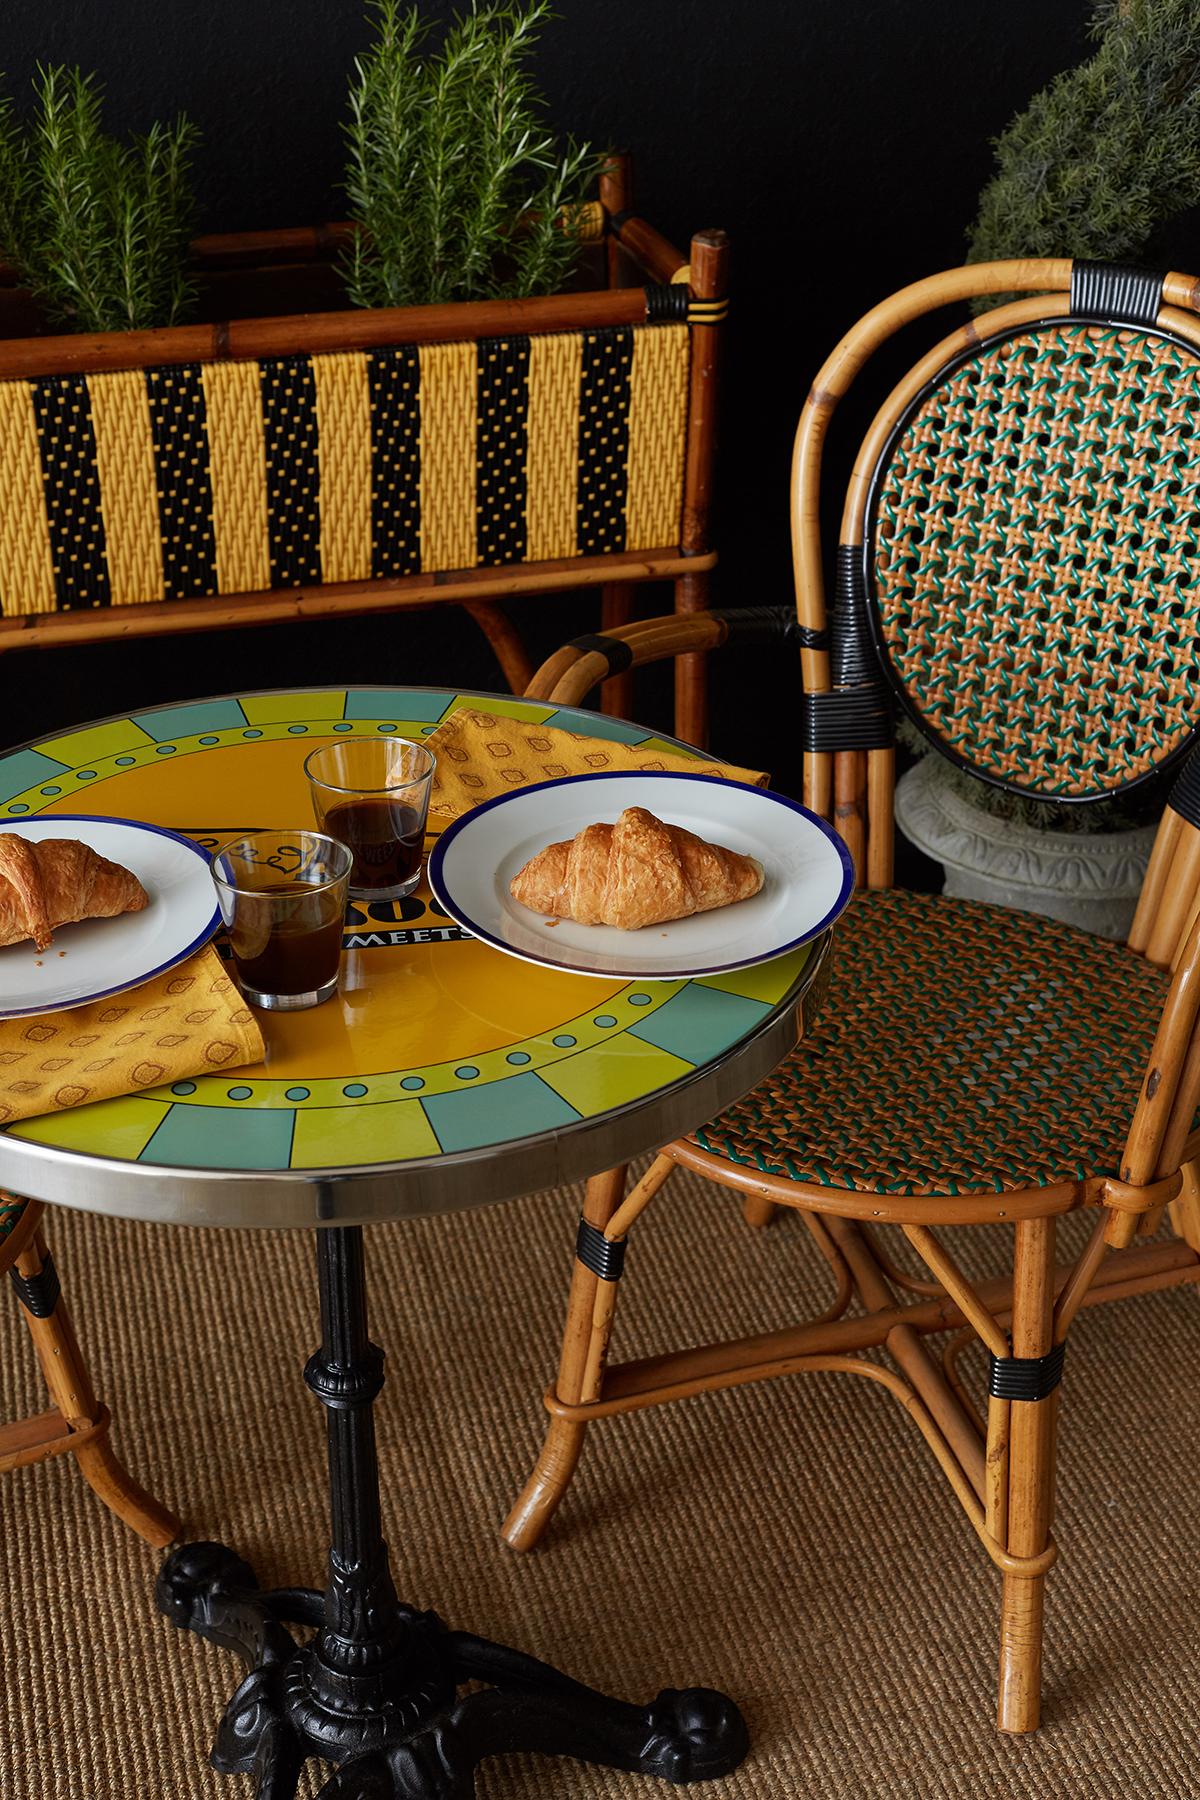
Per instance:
{"type": "Point", "coordinates": [634, 250]}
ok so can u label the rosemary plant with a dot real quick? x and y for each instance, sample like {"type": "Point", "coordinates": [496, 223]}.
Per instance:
{"type": "Point", "coordinates": [458, 189]}
{"type": "Point", "coordinates": [97, 229]}
{"type": "Point", "coordinates": [1100, 159]}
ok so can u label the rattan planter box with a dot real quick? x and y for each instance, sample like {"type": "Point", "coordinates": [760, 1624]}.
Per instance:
{"type": "Point", "coordinates": [233, 473]}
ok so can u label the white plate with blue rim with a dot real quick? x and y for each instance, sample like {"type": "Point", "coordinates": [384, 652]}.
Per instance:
{"type": "Point", "coordinates": [100, 957]}
{"type": "Point", "coordinates": [808, 876]}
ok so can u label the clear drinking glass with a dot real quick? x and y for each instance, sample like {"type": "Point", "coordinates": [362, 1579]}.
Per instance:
{"type": "Point", "coordinates": [372, 794]}
{"type": "Point", "coordinates": [283, 896]}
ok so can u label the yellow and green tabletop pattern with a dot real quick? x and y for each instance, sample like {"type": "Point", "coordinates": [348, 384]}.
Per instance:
{"type": "Point", "coordinates": [436, 1044]}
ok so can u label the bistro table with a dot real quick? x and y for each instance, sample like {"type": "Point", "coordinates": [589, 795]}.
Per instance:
{"type": "Point", "coordinates": [443, 1075]}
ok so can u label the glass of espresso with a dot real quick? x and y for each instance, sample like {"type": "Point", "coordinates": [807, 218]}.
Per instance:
{"type": "Point", "coordinates": [282, 896]}
{"type": "Point", "coordinates": [372, 794]}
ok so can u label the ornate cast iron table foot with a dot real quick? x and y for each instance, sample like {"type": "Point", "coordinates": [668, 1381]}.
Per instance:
{"type": "Point", "coordinates": [374, 1690]}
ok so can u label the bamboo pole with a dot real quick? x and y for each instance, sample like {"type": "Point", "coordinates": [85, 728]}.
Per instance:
{"type": "Point", "coordinates": [366, 328]}
{"type": "Point", "coordinates": [881, 823]}
{"type": "Point", "coordinates": [905, 1345]}
{"type": "Point", "coordinates": [1179, 889]}
{"type": "Point", "coordinates": [506, 642]}
{"type": "Point", "coordinates": [393, 594]}
{"type": "Point", "coordinates": [580, 1374]}
{"type": "Point", "coordinates": [1031, 1482]}
{"type": "Point", "coordinates": [616, 197]}
{"type": "Point", "coordinates": [650, 250]}
{"type": "Point", "coordinates": [849, 806]}
{"type": "Point", "coordinates": [709, 265]}
{"type": "Point", "coordinates": [1153, 886]}
{"type": "Point", "coordinates": [965, 1297]}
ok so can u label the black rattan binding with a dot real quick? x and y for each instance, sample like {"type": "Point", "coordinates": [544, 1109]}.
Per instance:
{"type": "Point", "coordinates": [1116, 292]}
{"type": "Point", "coordinates": [597, 1253]}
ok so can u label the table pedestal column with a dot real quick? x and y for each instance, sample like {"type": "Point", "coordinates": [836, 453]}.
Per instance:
{"type": "Point", "coordinates": [374, 1691]}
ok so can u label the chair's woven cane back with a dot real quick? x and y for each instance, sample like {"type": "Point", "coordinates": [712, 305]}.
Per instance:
{"type": "Point", "coordinates": [1017, 545]}
{"type": "Point", "coordinates": [1019, 550]}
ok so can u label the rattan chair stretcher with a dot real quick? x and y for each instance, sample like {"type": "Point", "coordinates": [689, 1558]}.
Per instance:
{"type": "Point", "coordinates": [1017, 568]}
{"type": "Point", "coordinates": [76, 1424]}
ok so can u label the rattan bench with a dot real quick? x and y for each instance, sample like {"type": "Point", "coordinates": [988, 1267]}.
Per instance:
{"type": "Point", "coordinates": [213, 476]}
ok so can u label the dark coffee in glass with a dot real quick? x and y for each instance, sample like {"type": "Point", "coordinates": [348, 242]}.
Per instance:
{"type": "Point", "coordinates": [299, 951]}
{"type": "Point", "coordinates": [383, 836]}
{"type": "Point", "coordinates": [372, 794]}
{"type": "Point", "coordinates": [282, 896]}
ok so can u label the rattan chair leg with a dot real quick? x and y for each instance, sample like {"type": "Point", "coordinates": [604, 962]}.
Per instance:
{"type": "Point", "coordinates": [616, 609]}
{"type": "Point", "coordinates": [758, 1212]}
{"type": "Point", "coordinates": [1185, 1211]}
{"type": "Point", "coordinates": [580, 1373]}
{"type": "Point", "coordinates": [71, 1391]}
{"type": "Point", "coordinates": [1031, 1452]}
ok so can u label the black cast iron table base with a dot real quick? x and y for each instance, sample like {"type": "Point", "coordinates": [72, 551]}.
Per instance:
{"type": "Point", "coordinates": [374, 1691]}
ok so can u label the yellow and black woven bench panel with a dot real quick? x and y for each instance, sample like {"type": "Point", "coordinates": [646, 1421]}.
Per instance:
{"type": "Point", "coordinates": [234, 477]}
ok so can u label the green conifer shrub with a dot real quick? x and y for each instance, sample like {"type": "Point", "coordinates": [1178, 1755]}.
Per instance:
{"type": "Point", "coordinates": [1101, 158]}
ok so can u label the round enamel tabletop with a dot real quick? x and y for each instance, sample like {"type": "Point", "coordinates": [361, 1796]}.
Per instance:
{"type": "Point", "coordinates": [443, 1073]}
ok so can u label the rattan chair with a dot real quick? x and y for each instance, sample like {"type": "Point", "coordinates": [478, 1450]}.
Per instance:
{"type": "Point", "coordinates": [1019, 550]}
{"type": "Point", "coordinates": [76, 1425]}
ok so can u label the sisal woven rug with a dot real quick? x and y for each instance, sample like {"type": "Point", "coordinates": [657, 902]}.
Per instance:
{"type": "Point", "coordinates": [791, 1543]}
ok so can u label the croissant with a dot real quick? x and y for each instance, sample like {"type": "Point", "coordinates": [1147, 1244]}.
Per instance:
{"type": "Point", "coordinates": [634, 873]}
{"type": "Point", "coordinates": [57, 881]}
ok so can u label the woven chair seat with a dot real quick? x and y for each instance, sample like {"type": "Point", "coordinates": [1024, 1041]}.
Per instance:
{"type": "Point", "coordinates": [961, 1048]}
{"type": "Point", "coordinates": [11, 1211]}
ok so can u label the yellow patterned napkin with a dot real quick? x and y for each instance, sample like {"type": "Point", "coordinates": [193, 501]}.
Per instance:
{"type": "Point", "coordinates": [480, 755]}
{"type": "Point", "coordinates": [190, 1021]}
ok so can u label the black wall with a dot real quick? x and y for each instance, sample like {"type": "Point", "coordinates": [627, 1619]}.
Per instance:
{"type": "Point", "coordinates": [842, 143]}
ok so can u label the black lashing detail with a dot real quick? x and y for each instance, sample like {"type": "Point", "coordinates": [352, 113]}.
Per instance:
{"type": "Point", "coordinates": [615, 651]}
{"type": "Point", "coordinates": [618, 219]}
{"type": "Point", "coordinates": [854, 661]}
{"type": "Point", "coordinates": [38, 1293]}
{"type": "Point", "coordinates": [759, 624]}
{"type": "Point", "coordinates": [857, 714]}
{"type": "Point", "coordinates": [598, 1253]}
{"type": "Point", "coordinates": [847, 719]}
{"type": "Point", "coordinates": [666, 301]}
{"type": "Point", "coordinates": [1115, 292]}
{"type": "Point", "coordinates": [1184, 797]}
{"type": "Point", "coordinates": [1026, 1377]}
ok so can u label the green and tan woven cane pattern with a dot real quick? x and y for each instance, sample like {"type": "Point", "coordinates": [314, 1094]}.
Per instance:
{"type": "Point", "coordinates": [10, 1214]}
{"type": "Point", "coordinates": [962, 1049]}
{"type": "Point", "coordinates": [1037, 556]}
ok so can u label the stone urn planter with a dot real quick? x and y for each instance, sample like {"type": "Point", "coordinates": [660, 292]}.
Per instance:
{"type": "Point", "coordinates": [1087, 879]}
